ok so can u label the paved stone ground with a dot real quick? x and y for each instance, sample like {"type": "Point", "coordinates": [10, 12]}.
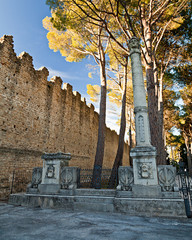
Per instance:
{"type": "Point", "coordinates": [21, 223]}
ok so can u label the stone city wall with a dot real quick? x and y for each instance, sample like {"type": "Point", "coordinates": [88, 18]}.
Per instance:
{"type": "Point", "coordinates": [38, 116]}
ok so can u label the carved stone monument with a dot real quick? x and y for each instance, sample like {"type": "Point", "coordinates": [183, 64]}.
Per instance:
{"type": "Point", "coordinates": [144, 154]}
{"type": "Point", "coordinates": [52, 164]}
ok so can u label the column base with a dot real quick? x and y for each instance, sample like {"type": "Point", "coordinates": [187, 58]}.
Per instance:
{"type": "Point", "coordinates": [49, 188]}
{"type": "Point", "coordinates": [142, 191]}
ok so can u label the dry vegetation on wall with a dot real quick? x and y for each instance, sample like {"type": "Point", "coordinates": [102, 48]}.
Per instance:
{"type": "Point", "coordinates": [39, 116]}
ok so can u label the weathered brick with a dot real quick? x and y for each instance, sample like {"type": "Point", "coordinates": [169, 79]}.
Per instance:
{"type": "Point", "coordinates": [37, 116]}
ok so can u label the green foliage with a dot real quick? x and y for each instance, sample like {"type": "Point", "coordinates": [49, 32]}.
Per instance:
{"type": "Point", "coordinates": [59, 22]}
{"type": "Point", "coordinates": [52, 3]}
{"type": "Point", "coordinates": [175, 164]}
{"type": "Point", "coordinates": [182, 74]}
{"type": "Point", "coordinates": [183, 153]}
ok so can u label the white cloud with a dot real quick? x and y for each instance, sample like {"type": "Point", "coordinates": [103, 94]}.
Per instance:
{"type": "Point", "coordinates": [112, 125]}
{"type": "Point", "coordinates": [63, 75]}
{"type": "Point", "coordinates": [111, 120]}
{"type": "Point", "coordinates": [111, 114]}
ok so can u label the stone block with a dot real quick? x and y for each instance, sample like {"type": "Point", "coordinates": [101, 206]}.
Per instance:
{"type": "Point", "coordinates": [171, 195]}
{"type": "Point", "coordinates": [66, 192]}
{"type": "Point", "coordinates": [141, 191]}
{"type": "Point", "coordinates": [49, 188]}
{"type": "Point", "coordinates": [150, 207]}
{"type": "Point", "coordinates": [32, 190]}
{"type": "Point", "coordinates": [124, 194]}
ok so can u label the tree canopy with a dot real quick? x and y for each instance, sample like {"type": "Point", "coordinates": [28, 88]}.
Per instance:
{"type": "Point", "coordinates": [164, 29]}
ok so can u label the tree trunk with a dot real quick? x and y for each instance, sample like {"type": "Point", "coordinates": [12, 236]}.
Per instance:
{"type": "Point", "coordinates": [119, 155]}
{"type": "Point", "coordinates": [152, 109]}
{"type": "Point", "coordinates": [172, 154]}
{"type": "Point", "coordinates": [96, 180]}
{"type": "Point", "coordinates": [189, 157]}
{"type": "Point", "coordinates": [161, 149]}
{"type": "Point", "coordinates": [152, 88]}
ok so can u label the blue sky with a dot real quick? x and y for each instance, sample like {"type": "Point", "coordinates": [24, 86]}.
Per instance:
{"type": "Point", "coordinates": [23, 20]}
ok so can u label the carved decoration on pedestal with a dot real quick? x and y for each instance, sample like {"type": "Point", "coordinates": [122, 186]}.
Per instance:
{"type": "Point", "coordinates": [166, 176]}
{"type": "Point", "coordinates": [50, 171]}
{"type": "Point", "coordinates": [145, 170]}
{"type": "Point", "coordinates": [125, 178]}
{"type": "Point", "coordinates": [36, 177]}
{"type": "Point", "coordinates": [66, 177]}
{"type": "Point", "coordinates": [70, 177]}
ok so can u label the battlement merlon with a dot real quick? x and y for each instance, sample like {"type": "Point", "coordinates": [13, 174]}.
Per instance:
{"type": "Point", "coordinates": [57, 82]}
{"type": "Point", "coordinates": [6, 39]}
{"type": "Point", "coordinates": [42, 73]}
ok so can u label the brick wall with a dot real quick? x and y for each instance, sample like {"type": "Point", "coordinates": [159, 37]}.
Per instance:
{"type": "Point", "coordinates": [39, 116]}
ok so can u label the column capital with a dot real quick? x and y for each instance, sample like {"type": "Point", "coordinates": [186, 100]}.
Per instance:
{"type": "Point", "coordinates": [134, 45]}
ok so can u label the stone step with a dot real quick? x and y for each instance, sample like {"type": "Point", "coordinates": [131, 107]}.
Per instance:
{"type": "Point", "coordinates": [94, 199]}
{"type": "Point", "coordinates": [122, 204]}
{"type": "Point", "coordinates": [95, 192]}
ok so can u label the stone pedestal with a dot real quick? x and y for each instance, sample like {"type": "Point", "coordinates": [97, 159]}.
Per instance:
{"type": "Point", "coordinates": [52, 164]}
{"type": "Point", "coordinates": [145, 172]}
{"type": "Point", "coordinates": [144, 166]}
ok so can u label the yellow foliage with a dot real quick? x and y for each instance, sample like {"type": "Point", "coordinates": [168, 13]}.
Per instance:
{"type": "Point", "coordinates": [93, 91]}
{"type": "Point", "coordinates": [69, 42]}
{"type": "Point", "coordinates": [75, 43]}
{"type": "Point", "coordinates": [90, 75]}
{"type": "Point", "coordinates": [115, 93]}
{"type": "Point", "coordinates": [182, 121]}
{"type": "Point", "coordinates": [175, 23]}
{"type": "Point", "coordinates": [47, 24]}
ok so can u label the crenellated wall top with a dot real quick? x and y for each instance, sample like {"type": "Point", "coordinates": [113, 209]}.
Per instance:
{"type": "Point", "coordinates": [24, 62]}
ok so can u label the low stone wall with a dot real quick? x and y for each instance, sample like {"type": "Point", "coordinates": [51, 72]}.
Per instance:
{"type": "Point", "coordinates": [103, 201]}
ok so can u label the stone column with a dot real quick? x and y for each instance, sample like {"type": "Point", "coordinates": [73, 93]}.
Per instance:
{"type": "Point", "coordinates": [143, 137]}
{"type": "Point", "coordinates": [144, 154]}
